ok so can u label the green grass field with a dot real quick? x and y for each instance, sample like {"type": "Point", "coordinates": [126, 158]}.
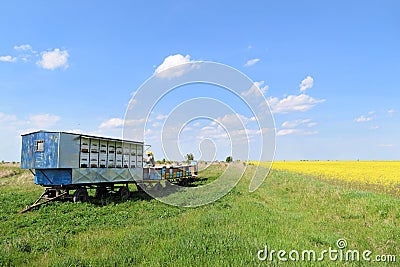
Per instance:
{"type": "Point", "coordinates": [289, 212]}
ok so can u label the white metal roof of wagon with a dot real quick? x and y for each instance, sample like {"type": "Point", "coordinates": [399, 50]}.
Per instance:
{"type": "Point", "coordinates": [88, 136]}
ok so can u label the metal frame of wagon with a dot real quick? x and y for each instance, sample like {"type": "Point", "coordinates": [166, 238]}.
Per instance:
{"type": "Point", "coordinates": [103, 179]}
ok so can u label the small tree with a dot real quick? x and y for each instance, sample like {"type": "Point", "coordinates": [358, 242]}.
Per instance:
{"type": "Point", "coordinates": [229, 159]}
{"type": "Point", "coordinates": [189, 157]}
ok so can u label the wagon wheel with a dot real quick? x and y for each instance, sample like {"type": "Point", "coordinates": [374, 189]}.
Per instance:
{"type": "Point", "coordinates": [124, 192]}
{"type": "Point", "coordinates": [101, 192]}
{"type": "Point", "coordinates": [81, 195]}
{"type": "Point", "coordinates": [183, 182]}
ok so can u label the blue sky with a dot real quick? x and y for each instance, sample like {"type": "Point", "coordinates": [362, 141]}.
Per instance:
{"type": "Point", "coordinates": [73, 65]}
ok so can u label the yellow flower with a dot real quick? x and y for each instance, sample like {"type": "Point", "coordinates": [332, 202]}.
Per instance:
{"type": "Point", "coordinates": [382, 173]}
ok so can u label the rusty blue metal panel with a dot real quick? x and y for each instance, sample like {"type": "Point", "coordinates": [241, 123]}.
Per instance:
{"type": "Point", "coordinates": [32, 158]}
{"type": "Point", "coordinates": [53, 177]}
{"type": "Point", "coordinates": [49, 157]}
{"type": "Point", "coordinates": [28, 152]}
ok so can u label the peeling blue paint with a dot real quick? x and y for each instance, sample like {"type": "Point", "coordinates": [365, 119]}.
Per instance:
{"type": "Point", "coordinates": [32, 159]}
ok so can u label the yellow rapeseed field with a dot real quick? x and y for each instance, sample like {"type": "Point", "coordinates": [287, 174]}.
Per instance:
{"type": "Point", "coordinates": [383, 173]}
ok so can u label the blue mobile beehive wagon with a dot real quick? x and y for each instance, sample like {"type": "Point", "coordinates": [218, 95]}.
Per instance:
{"type": "Point", "coordinates": [67, 161]}
{"type": "Point", "coordinates": [64, 162]}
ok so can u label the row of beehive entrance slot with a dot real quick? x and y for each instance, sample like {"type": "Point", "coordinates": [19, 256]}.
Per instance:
{"type": "Point", "coordinates": [97, 153]}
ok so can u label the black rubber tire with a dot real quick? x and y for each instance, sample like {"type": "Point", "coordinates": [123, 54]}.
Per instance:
{"type": "Point", "coordinates": [124, 192]}
{"type": "Point", "coordinates": [184, 182]}
{"type": "Point", "coordinates": [101, 192]}
{"type": "Point", "coordinates": [81, 195]}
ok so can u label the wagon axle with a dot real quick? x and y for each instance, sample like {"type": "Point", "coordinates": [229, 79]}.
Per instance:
{"type": "Point", "coordinates": [80, 194]}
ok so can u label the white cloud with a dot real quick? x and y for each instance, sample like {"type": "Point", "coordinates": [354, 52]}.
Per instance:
{"type": "Point", "coordinates": [133, 102]}
{"type": "Point", "coordinates": [32, 123]}
{"type": "Point", "coordinates": [237, 121]}
{"type": "Point", "coordinates": [43, 120]}
{"type": "Point", "coordinates": [156, 124]}
{"type": "Point", "coordinates": [218, 129]}
{"type": "Point", "coordinates": [291, 125]}
{"type": "Point", "coordinates": [112, 123]}
{"type": "Point", "coordinates": [386, 145]}
{"type": "Point", "coordinates": [376, 127]}
{"type": "Point", "coordinates": [161, 117]}
{"type": "Point", "coordinates": [7, 118]}
{"type": "Point", "coordinates": [251, 62]}
{"type": "Point", "coordinates": [255, 89]}
{"type": "Point", "coordinates": [209, 128]}
{"type": "Point", "coordinates": [293, 103]}
{"type": "Point", "coordinates": [295, 131]}
{"type": "Point", "coordinates": [362, 118]}
{"type": "Point", "coordinates": [309, 132]}
{"type": "Point", "coordinates": [8, 59]}
{"type": "Point", "coordinates": [11, 127]}
{"type": "Point", "coordinates": [187, 129]}
{"type": "Point", "coordinates": [164, 71]}
{"type": "Point", "coordinates": [54, 59]}
{"type": "Point", "coordinates": [25, 58]}
{"type": "Point", "coordinates": [307, 83]}
{"type": "Point", "coordinates": [24, 47]}
{"type": "Point", "coordinates": [76, 131]}
{"type": "Point", "coordinates": [295, 123]}
{"type": "Point", "coordinates": [213, 132]}
{"type": "Point", "coordinates": [262, 87]}
{"type": "Point", "coordinates": [118, 122]}
{"type": "Point", "coordinates": [287, 132]}
{"type": "Point", "coordinates": [391, 111]}
{"type": "Point", "coordinates": [27, 51]}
